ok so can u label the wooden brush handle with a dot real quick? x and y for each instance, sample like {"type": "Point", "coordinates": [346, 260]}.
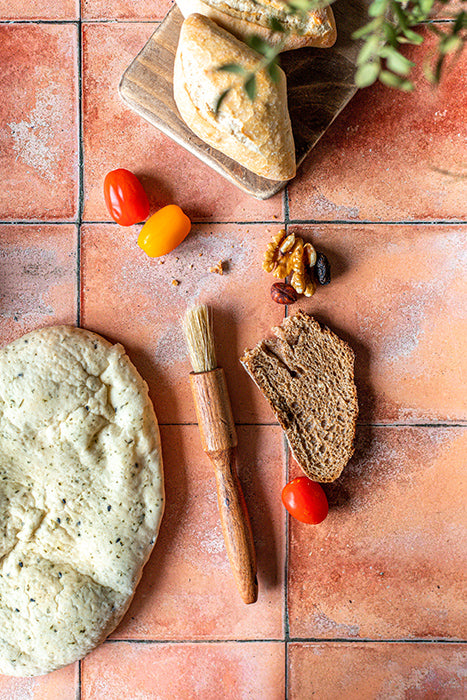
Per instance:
{"type": "Point", "coordinates": [219, 440]}
{"type": "Point", "coordinates": [235, 524]}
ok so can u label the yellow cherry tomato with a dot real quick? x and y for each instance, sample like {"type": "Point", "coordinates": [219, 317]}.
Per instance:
{"type": "Point", "coordinates": [164, 231]}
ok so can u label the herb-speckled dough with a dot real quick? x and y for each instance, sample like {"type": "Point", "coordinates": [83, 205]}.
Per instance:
{"type": "Point", "coordinates": [81, 494]}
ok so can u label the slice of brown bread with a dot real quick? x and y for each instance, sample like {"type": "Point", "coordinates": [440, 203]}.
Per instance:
{"type": "Point", "coordinates": [306, 373]}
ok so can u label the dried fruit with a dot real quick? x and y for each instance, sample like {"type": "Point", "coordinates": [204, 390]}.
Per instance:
{"type": "Point", "coordinates": [322, 269]}
{"type": "Point", "coordinates": [288, 255]}
{"type": "Point", "coordinates": [283, 293]}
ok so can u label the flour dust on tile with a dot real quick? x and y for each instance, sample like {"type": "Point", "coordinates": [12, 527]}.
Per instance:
{"type": "Point", "coordinates": [34, 137]}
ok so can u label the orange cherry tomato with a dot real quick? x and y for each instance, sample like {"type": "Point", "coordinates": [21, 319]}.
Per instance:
{"type": "Point", "coordinates": [305, 500]}
{"type": "Point", "coordinates": [125, 197]}
{"type": "Point", "coordinates": [164, 231]}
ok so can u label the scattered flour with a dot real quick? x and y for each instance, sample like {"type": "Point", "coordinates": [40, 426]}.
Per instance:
{"type": "Point", "coordinates": [22, 688]}
{"type": "Point", "coordinates": [34, 138]}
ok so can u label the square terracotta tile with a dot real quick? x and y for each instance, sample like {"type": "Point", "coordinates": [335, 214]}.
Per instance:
{"type": "Point", "coordinates": [244, 670]}
{"type": "Point", "coordinates": [391, 156]}
{"type": "Point", "coordinates": [38, 283]}
{"type": "Point", "coordinates": [389, 561]}
{"type": "Point", "coordinates": [115, 136]}
{"type": "Point", "coordinates": [398, 296]}
{"type": "Point", "coordinates": [61, 684]}
{"type": "Point", "coordinates": [368, 670]}
{"type": "Point", "coordinates": [130, 298]}
{"type": "Point", "coordinates": [187, 591]}
{"type": "Point", "coordinates": [448, 10]}
{"type": "Point", "coordinates": [125, 9]}
{"type": "Point", "coordinates": [38, 121]}
{"type": "Point", "coordinates": [38, 9]}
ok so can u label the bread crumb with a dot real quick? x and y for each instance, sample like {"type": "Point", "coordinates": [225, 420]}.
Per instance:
{"type": "Point", "coordinates": [175, 283]}
{"type": "Point", "coordinates": [218, 269]}
{"type": "Point", "coordinates": [161, 262]}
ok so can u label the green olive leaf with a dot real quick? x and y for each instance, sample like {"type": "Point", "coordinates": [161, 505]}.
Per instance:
{"type": "Point", "coordinates": [366, 29]}
{"type": "Point", "coordinates": [232, 68]}
{"type": "Point", "coordinates": [260, 45]}
{"type": "Point", "coordinates": [398, 63]}
{"type": "Point", "coordinates": [390, 24]}
{"type": "Point", "coordinates": [273, 71]}
{"type": "Point", "coordinates": [368, 50]}
{"type": "Point", "coordinates": [451, 43]}
{"type": "Point", "coordinates": [377, 8]}
{"type": "Point", "coordinates": [220, 100]}
{"type": "Point", "coordinates": [367, 74]}
{"type": "Point", "coordinates": [275, 25]}
{"type": "Point", "coordinates": [250, 86]}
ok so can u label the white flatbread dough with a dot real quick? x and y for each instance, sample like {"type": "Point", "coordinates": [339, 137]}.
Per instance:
{"type": "Point", "coordinates": [81, 494]}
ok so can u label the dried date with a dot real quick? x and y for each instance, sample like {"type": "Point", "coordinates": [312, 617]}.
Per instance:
{"type": "Point", "coordinates": [322, 269]}
{"type": "Point", "coordinates": [283, 293]}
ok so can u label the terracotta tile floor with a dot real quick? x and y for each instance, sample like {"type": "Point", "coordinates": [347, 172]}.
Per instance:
{"type": "Point", "coordinates": [370, 603]}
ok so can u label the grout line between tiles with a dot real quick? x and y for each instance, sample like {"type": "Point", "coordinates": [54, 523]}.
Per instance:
{"type": "Point", "coordinates": [39, 21]}
{"type": "Point", "coordinates": [79, 220]}
{"type": "Point", "coordinates": [286, 205]}
{"type": "Point", "coordinates": [132, 20]}
{"type": "Point", "coordinates": [369, 640]}
{"type": "Point", "coordinates": [81, 21]}
{"type": "Point", "coordinates": [286, 577]}
{"type": "Point", "coordinates": [446, 20]}
{"type": "Point", "coordinates": [38, 222]}
{"type": "Point", "coordinates": [286, 459]}
{"type": "Point", "coordinates": [78, 690]}
{"type": "Point", "coordinates": [123, 21]}
{"type": "Point", "coordinates": [193, 641]}
{"type": "Point", "coordinates": [256, 222]}
{"type": "Point", "coordinates": [80, 171]}
{"type": "Point", "coordinates": [292, 640]}
{"type": "Point", "coordinates": [380, 222]}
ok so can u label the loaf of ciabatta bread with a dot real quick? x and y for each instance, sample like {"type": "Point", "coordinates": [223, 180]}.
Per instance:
{"type": "Point", "coordinates": [246, 17]}
{"type": "Point", "coordinates": [306, 373]}
{"type": "Point", "coordinates": [257, 134]}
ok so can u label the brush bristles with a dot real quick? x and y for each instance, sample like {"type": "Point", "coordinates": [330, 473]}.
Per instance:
{"type": "Point", "coordinates": [197, 325]}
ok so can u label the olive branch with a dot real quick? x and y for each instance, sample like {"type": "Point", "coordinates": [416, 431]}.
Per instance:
{"type": "Point", "coordinates": [391, 24]}
{"type": "Point", "coordinates": [269, 62]}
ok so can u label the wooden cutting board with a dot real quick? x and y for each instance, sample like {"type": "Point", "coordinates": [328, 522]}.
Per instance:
{"type": "Point", "coordinates": [320, 82]}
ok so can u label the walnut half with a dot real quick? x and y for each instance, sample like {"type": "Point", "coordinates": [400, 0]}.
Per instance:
{"type": "Point", "coordinates": [287, 255]}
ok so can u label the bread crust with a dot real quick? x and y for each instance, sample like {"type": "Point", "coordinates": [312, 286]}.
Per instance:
{"type": "Point", "coordinates": [320, 30]}
{"type": "Point", "coordinates": [258, 134]}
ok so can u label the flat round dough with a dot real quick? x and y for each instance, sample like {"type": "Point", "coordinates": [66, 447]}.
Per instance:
{"type": "Point", "coordinates": [81, 494]}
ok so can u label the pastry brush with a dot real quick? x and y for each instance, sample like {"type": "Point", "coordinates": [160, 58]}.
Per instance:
{"type": "Point", "coordinates": [219, 441]}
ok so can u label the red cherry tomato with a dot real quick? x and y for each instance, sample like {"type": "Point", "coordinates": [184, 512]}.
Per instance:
{"type": "Point", "coordinates": [125, 197]}
{"type": "Point", "coordinates": [305, 500]}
